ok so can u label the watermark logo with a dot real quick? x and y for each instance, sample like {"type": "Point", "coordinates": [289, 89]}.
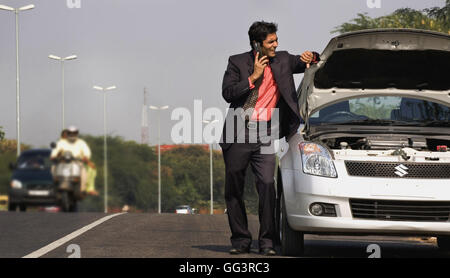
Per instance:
{"type": "Point", "coordinates": [74, 250]}
{"type": "Point", "coordinates": [374, 250]}
{"type": "Point", "coordinates": [372, 4]}
{"type": "Point", "coordinates": [237, 128]}
{"type": "Point", "coordinates": [74, 4]}
{"type": "Point", "coordinates": [187, 123]}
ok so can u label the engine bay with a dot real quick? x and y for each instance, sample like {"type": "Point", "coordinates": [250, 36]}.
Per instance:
{"type": "Point", "coordinates": [386, 142]}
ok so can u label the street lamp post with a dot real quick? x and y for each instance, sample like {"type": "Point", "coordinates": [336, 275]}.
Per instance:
{"type": "Point", "coordinates": [159, 152]}
{"type": "Point", "coordinates": [62, 60]}
{"type": "Point", "coordinates": [105, 153]}
{"type": "Point", "coordinates": [16, 11]}
{"type": "Point", "coordinates": [211, 170]}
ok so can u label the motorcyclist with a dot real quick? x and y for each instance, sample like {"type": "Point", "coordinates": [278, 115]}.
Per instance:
{"type": "Point", "coordinates": [79, 149]}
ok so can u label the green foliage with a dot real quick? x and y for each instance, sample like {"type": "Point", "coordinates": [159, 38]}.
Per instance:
{"type": "Point", "coordinates": [2, 133]}
{"type": "Point", "coordinates": [188, 167]}
{"type": "Point", "coordinates": [133, 176]}
{"type": "Point", "coordinates": [5, 172]}
{"type": "Point", "coordinates": [441, 14]}
{"type": "Point", "coordinates": [435, 19]}
{"type": "Point", "coordinates": [8, 154]}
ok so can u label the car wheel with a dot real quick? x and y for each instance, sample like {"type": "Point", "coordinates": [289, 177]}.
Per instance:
{"type": "Point", "coordinates": [12, 207]}
{"type": "Point", "coordinates": [73, 206]}
{"type": "Point", "coordinates": [443, 243]}
{"type": "Point", "coordinates": [23, 208]}
{"type": "Point", "coordinates": [292, 242]}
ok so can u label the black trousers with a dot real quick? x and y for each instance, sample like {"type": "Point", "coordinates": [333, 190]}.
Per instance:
{"type": "Point", "coordinates": [237, 158]}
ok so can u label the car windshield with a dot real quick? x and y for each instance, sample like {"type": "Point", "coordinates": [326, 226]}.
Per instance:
{"type": "Point", "coordinates": [384, 110]}
{"type": "Point", "coordinates": [34, 161]}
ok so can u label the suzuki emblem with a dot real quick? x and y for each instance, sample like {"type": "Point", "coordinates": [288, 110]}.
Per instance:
{"type": "Point", "coordinates": [401, 170]}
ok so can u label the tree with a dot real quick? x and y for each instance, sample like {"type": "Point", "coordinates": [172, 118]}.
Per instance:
{"type": "Point", "coordinates": [441, 14]}
{"type": "Point", "coordinates": [133, 176]}
{"type": "Point", "coordinates": [190, 174]}
{"type": "Point", "coordinates": [10, 146]}
{"type": "Point", "coordinates": [8, 154]}
{"type": "Point", "coordinates": [435, 19]}
{"type": "Point", "coordinates": [132, 179]}
{"type": "Point", "coordinates": [2, 134]}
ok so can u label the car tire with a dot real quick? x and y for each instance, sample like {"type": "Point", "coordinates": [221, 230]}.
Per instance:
{"type": "Point", "coordinates": [12, 207]}
{"type": "Point", "coordinates": [73, 206]}
{"type": "Point", "coordinates": [292, 242]}
{"type": "Point", "coordinates": [22, 208]}
{"type": "Point", "coordinates": [443, 243]}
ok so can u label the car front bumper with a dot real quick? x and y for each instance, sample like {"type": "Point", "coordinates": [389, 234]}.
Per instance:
{"type": "Point", "coordinates": [306, 190]}
{"type": "Point", "coordinates": [302, 220]}
{"type": "Point", "coordinates": [27, 197]}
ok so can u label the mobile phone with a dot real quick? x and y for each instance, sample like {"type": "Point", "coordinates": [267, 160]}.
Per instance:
{"type": "Point", "coordinates": [257, 48]}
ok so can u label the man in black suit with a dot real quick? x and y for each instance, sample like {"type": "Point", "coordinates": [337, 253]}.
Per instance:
{"type": "Point", "coordinates": [260, 88]}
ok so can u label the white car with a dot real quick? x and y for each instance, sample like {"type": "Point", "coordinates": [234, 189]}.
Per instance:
{"type": "Point", "coordinates": [185, 209]}
{"type": "Point", "coordinates": [372, 155]}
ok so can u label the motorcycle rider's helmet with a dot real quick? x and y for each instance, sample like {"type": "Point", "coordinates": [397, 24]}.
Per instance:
{"type": "Point", "coordinates": [72, 133]}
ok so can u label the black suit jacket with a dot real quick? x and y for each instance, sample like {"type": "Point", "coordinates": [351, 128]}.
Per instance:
{"type": "Point", "coordinates": [235, 88]}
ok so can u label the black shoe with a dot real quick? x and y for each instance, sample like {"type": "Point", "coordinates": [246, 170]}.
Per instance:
{"type": "Point", "coordinates": [237, 251]}
{"type": "Point", "coordinates": [268, 251]}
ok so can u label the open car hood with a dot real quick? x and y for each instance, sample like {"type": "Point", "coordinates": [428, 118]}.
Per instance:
{"type": "Point", "coordinates": [403, 62]}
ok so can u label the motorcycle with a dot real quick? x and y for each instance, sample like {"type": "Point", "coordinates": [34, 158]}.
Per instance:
{"type": "Point", "coordinates": [67, 177]}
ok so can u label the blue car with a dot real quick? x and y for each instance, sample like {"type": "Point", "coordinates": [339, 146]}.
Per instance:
{"type": "Point", "coordinates": [32, 182]}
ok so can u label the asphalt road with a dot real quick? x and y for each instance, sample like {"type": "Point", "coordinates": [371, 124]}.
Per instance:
{"type": "Point", "coordinates": [142, 235]}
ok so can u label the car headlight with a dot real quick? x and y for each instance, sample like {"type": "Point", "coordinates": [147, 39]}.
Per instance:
{"type": "Point", "coordinates": [16, 184]}
{"type": "Point", "coordinates": [316, 160]}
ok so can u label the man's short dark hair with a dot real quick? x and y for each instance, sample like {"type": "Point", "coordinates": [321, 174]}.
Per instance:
{"type": "Point", "coordinates": [259, 30]}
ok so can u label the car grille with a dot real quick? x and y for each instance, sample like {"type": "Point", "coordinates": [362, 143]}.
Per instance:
{"type": "Point", "coordinates": [400, 210]}
{"type": "Point", "coordinates": [39, 186]}
{"type": "Point", "coordinates": [391, 170]}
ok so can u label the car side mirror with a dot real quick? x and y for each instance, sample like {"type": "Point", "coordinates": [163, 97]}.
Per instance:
{"type": "Point", "coordinates": [12, 166]}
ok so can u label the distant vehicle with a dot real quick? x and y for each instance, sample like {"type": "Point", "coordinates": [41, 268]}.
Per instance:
{"type": "Point", "coordinates": [31, 182]}
{"type": "Point", "coordinates": [185, 209]}
{"type": "Point", "coordinates": [67, 177]}
{"type": "Point", "coordinates": [3, 202]}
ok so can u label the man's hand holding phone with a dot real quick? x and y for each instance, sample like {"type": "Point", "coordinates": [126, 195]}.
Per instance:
{"type": "Point", "coordinates": [258, 68]}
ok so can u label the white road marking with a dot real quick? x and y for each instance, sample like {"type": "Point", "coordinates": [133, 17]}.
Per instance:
{"type": "Point", "coordinates": [44, 250]}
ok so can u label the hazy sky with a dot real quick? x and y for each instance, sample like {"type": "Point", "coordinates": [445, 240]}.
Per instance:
{"type": "Point", "coordinates": [178, 49]}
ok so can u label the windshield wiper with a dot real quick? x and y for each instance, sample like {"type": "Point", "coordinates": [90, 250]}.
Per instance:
{"type": "Point", "coordinates": [378, 122]}
{"type": "Point", "coordinates": [435, 123]}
